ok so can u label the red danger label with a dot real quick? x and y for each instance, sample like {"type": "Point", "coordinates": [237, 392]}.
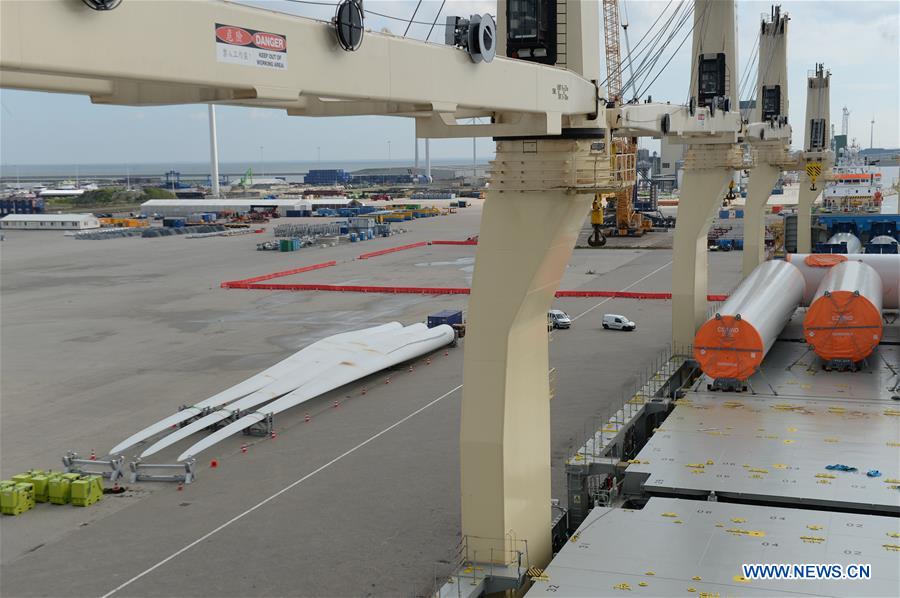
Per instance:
{"type": "Point", "coordinates": [269, 41]}
{"type": "Point", "coordinates": [250, 38]}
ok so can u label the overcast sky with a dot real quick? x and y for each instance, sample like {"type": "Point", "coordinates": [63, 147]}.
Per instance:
{"type": "Point", "coordinates": [857, 41]}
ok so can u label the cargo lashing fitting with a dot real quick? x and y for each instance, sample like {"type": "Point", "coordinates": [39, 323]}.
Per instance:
{"type": "Point", "coordinates": [140, 471]}
{"type": "Point", "coordinates": [261, 429]}
{"type": "Point", "coordinates": [113, 468]}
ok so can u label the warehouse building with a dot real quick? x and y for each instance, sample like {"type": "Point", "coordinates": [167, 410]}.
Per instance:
{"type": "Point", "coordinates": [49, 222]}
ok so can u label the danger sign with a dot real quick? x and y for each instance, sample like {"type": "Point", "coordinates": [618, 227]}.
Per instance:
{"type": "Point", "coordinates": [249, 47]}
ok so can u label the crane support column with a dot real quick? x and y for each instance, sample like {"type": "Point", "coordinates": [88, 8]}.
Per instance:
{"type": "Point", "coordinates": [804, 214]}
{"type": "Point", "coordinates": [707, 170]}
{"type": "Point", "coordinates": [531, 220]}
{"type": "Point", "coordinates": [708, 165]}
{"type": "Point", "coordinates": [769, 135]}
{"type": "Point", "coordinates": [817, 158]}
{"type": "Point", "coordinates": [759, 187]}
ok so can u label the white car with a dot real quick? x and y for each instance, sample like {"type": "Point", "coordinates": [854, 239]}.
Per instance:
{"type": "Point", "coordinates": [558, 319]}
{"type": "Point", "coordinates": [617, 322]}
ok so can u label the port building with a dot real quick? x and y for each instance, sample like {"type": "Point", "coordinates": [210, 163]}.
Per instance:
{"type": "Point", "coordinates": [49, 222]}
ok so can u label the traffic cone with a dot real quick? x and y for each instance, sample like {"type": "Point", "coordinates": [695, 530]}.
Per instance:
{"type": "Point", "coordinates": [337, 404]}
{"type": "Point", "coordinates": [410, 368]}
{"type": "Point", "coordinates": [213, 464]}
{"type": "Point", "coordinates": [446, 353]}
{"type": "Point", "coordinates": [364, 390]}
{"type": "Point", "coordinates": [180, 486]}
{"type": "Point", "coordinates": [307, 418]}
{"type": "Point", "coordinates": [387, 381]}
{"type": "Point", "coordinates": [428, 361]}
{"type": "Point", "coordinates": [93, 455]}
{"type": "Point", "coordinates": [243, 448]}
{"type": "Point", "coordinates": [274, 435]}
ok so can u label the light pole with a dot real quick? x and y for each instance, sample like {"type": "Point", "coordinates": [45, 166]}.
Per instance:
{"type": "Point", "coordinates": [262, 160]}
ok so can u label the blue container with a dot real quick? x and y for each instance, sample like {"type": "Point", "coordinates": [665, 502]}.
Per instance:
{"type": "Point", "coordinates": [723, 214]}
{"type": "Point", "coordinates": [353, 238]}
{"type": "Point", "coordinates": [447, 316]}
{"type": "Point", "coordinates": [739, 244]}
{"type": "Point", "coordinates": [739, 213]}
{"type": "Point", "coordinates": [296, 244]}
{"type": "Point", "coordinates": [724, 243]}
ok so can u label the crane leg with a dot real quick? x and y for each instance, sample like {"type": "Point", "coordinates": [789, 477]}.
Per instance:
{"type": "Point", "coordinates": [759, 188]}
{"type": "Point", "coordinates": [528, 230]}
{"type": "Point", "coordinates": [706, 175]}
{"type": "Point", "coordinates": [804, 213]}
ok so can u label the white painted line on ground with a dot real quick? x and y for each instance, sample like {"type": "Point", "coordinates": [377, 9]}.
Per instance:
{"type": "Point", "coordinates": [635, 283]}
{"type": "Point", "coordinates": [277, 494]}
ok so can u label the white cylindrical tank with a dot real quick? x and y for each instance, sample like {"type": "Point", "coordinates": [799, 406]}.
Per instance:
{"type": "Point", "coordinates": [814, 267]}
{"type": "Point", "coordinates": [883, 240]}
{"type": "Point", "coordinates": [732, 344]}
{"type": "Point", "coordinates": [854, 245]}
{"type": "Point", "coordinates": [844, 319]}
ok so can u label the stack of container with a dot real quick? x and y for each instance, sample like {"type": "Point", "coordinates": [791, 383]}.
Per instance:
{"type": "Point", "coordinates": [289, 244]}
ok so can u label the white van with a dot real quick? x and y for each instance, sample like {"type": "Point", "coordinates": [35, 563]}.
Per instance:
{"type": "Point", "coordinates": [617, 322]}
{"type": "Point", "coordinates": [558, 319]}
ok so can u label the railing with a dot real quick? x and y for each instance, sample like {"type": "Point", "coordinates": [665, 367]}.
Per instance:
{"type": "Point", "coordinates": [467, 567]}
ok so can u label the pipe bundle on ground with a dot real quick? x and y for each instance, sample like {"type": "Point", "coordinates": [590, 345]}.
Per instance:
{"type": "Point", "coordinates": [843, 321]}
{"type": "Point", "coordinates": [732, 344]}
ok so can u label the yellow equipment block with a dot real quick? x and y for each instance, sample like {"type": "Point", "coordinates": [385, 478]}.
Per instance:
{"type": "Point", "coordinates": [15, 499]}
{"type": "Point", "coordinates": [87, 490]}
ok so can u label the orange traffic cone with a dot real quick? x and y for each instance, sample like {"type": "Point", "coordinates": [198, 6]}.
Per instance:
{"type": "Point", "coordinates": [364, 390]}
{"type": "Point", "coordinates": [93, 455]}
{"type": "Point", "coordinates": [213, 464]}
{"type": "Point", "coordinates": [180, 486]}
{"type": "Point", "coordinates": [306, 418]}
{"type": "Point", "coordinates": [243, 448]}
{"type": "Point", "coordinates": [387, 381]}
{"type": "Point", "coordinates": [337, 404]}
{"type": "Point", "coordinates": [274, 435]}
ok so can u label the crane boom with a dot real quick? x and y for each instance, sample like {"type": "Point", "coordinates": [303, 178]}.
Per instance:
{"type": "Point", "coordinates": [613, 56]}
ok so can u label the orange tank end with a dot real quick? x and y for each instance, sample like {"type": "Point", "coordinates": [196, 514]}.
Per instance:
{"type": "Point", "coordinates": [843, 325]}
{"type": "Point", "coordinates": [824, 260]}
{"type": "Point", "coordinates": [728, 348]}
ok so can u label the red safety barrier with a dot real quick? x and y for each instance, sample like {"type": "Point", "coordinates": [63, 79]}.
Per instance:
{"type": "Point", "coordinates": [235, 284]}
{"type": "Point", "coordinates": [253, 283]}
{"type": "Point", "coordinates": [341, 288]}
{"type": "Point", "coordinates": [366, 256]}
